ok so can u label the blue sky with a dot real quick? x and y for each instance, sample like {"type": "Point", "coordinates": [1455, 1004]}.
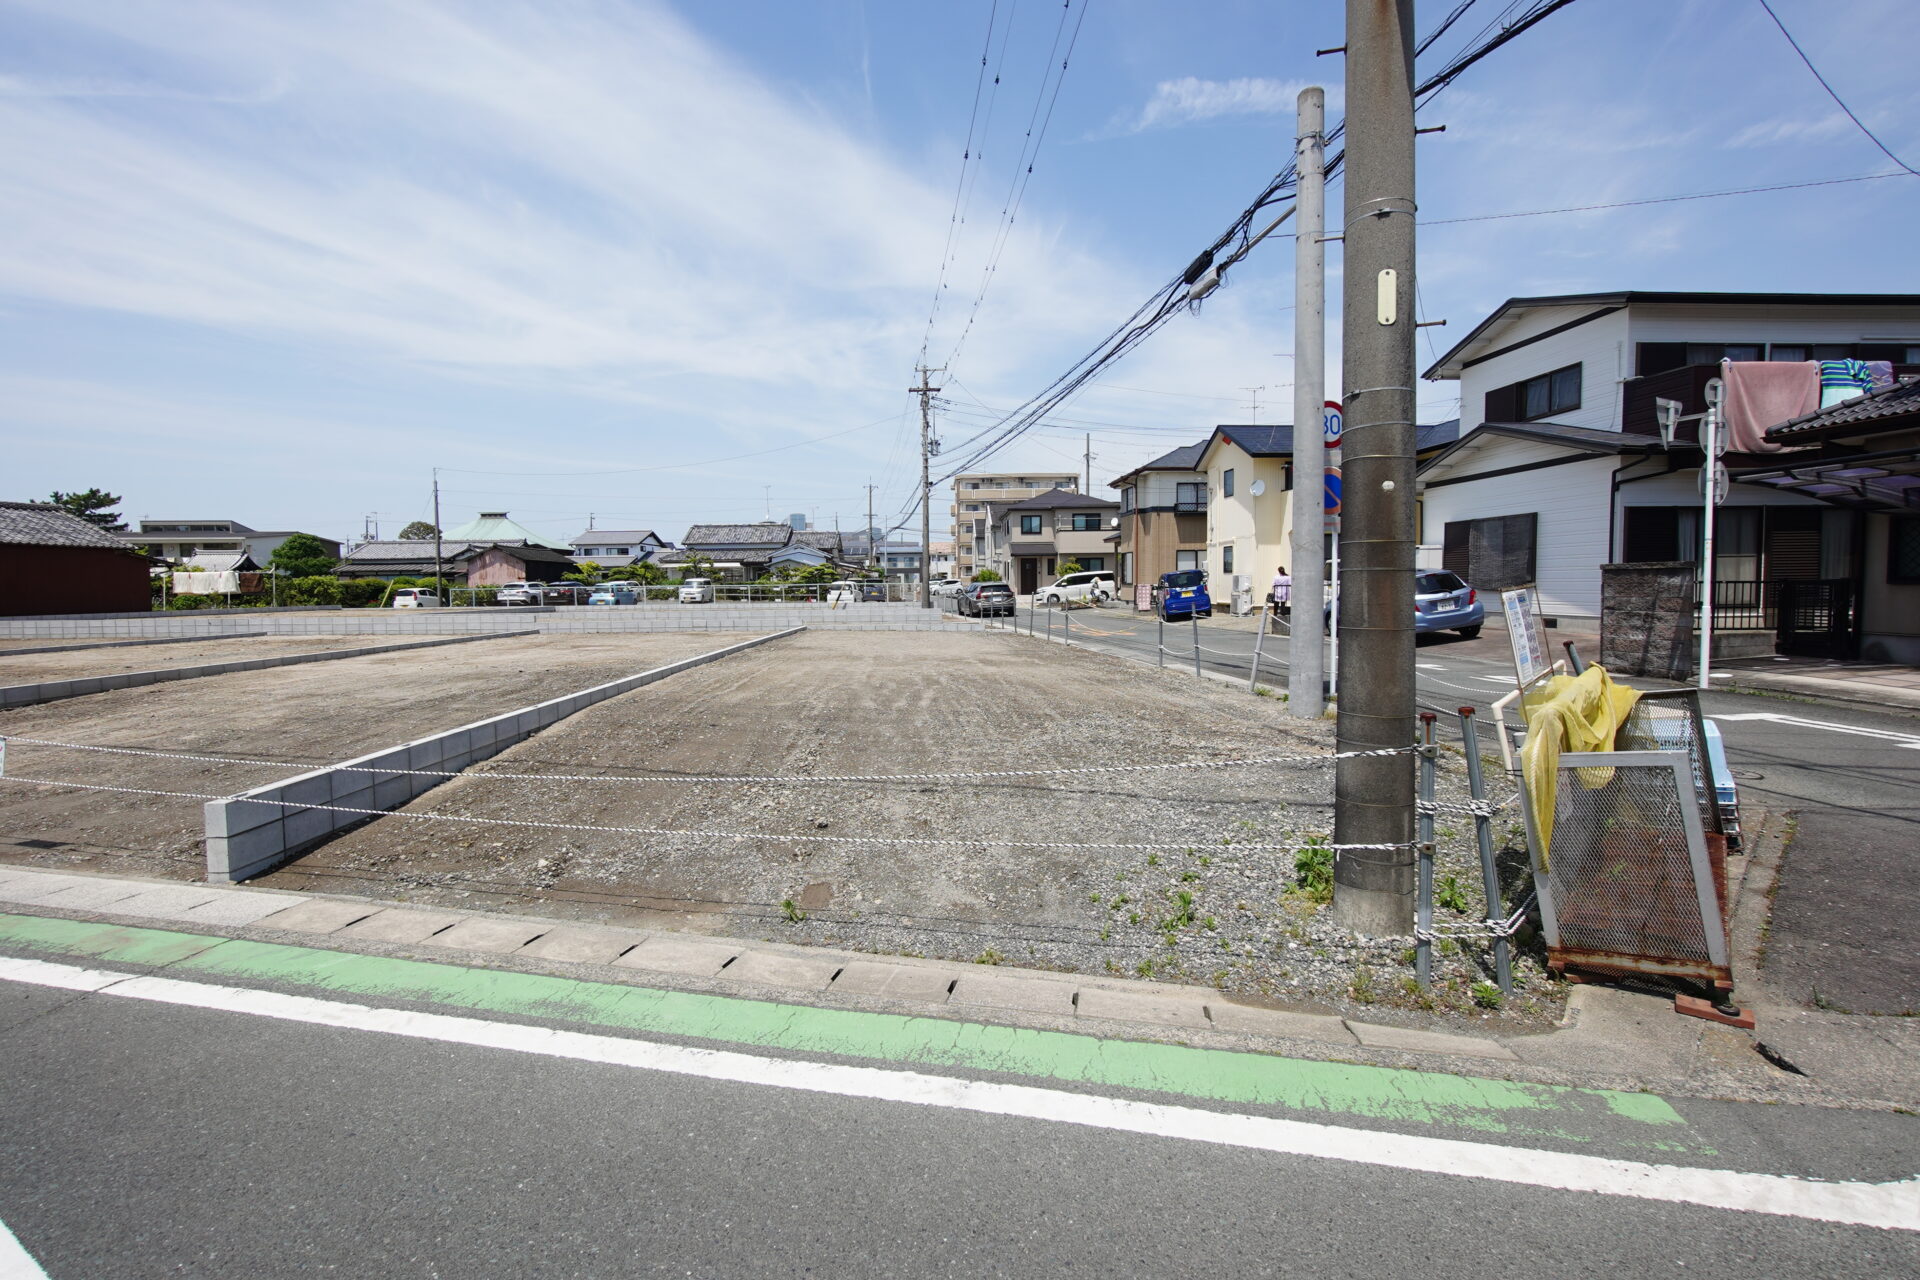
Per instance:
{"type": "Point", "coordinates": [276, 262]}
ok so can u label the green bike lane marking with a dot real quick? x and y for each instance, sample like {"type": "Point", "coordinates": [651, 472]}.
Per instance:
{"type": "Point", "coordinates": [1503, 1107]}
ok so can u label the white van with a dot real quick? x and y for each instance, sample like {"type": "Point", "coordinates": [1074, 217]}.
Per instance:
{"type": "Point", "coordinates": [416, 598]}
{"type": "Point", "coordinates": [696, 591]}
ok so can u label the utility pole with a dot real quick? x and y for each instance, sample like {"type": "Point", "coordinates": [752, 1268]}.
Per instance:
{"type": "Point", "coordinates": [1373, 796]}
{"type": "Point", "coordinates": [436, 531]}
{"type": "Point", "coordinates": [1305, 647]}
{"type": "Point", "coordinates": [925, 391]}
{"type": "Point", "coordinates": [1089, 489]}
{"type": "Point", "coordinates": [871, 553]}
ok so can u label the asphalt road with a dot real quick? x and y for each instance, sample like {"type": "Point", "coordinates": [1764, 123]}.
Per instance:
{"type": "Point", "coordinates": [1846, 930]}
{"type": "Point", "coordinates": [147, 1138]}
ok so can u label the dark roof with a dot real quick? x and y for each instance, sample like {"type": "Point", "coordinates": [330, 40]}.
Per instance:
{"type": "Point", "coordinates": [1032, 549]}
{"type": "Point", "coordinates": [1580, 439]}
{"type": "Point", "coordinates": [771, 533]}
{"type": "Point", "coordinates": [41, 524]}
{"type": "Point", "coordinates": [1277, 442]}
{"type": "Point", "coordinates": [1633, 297]}
{"type": "Point", "coordinates": [1185, 458]}
{"type": "Point", "coordinates": [525, 553]}
{"type": "Point", "coordinates": [1055, 499]}
{"type": "Point", "coordinates": [1877, 409]}
{"type": "Point", "coordinates": [828, 540]}
{"type": "Point", "coordinates": [405, 550]}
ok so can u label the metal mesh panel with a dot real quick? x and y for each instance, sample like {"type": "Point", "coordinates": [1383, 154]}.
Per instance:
{"type": "Point", "coordinates": [1662, 725]}
{"type": "Point", "coordinates": [1621, 875]}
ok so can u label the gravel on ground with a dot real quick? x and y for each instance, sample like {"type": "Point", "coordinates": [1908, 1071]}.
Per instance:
{"type": "Point", "coordinates": [77, 664]}
{"type": "Point", "coordinates": [307, 715]}
{"type": "Point", "coordinates": [1201, 905]}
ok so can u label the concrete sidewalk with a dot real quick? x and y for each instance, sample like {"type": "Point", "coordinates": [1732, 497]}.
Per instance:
{"type": "Point", "coordinates": [1610, 1038]}
{"type": "Point", "coordinates": [1885, 686]}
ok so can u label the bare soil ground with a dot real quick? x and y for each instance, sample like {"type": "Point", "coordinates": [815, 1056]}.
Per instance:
{"type": "Point", "coordinates": [31, 668]}
{"type": "Point", "coordinates": [305, 715]}
{"type": "Point", "coordinates": [775, 860]}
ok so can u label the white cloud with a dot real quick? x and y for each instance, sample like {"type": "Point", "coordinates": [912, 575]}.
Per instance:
{"type": "Point", "coordinates": [1791, 129]}
{"type": "Point", "coordinates": [1190, 100]}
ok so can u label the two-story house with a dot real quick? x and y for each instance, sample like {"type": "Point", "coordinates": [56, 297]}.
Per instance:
{"type": "Point", "coordinates": [1163, 516]}
{"type": "Point", "coordinates": [1564, 469]}
{"type": "Point", "coordinates": [616, 548]}
{"type": "Point", "coordinates": [973, 493]}
{"type": "Point", "coordinates": [183, 540]}
{"type": "Point", "coordinates": [1032, 538]}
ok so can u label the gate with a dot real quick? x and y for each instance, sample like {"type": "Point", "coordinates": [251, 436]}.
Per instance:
{"type": "Point", "coordinates": [1814, 617]}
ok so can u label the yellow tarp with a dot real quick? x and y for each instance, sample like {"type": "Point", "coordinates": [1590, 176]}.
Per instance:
{"type": "Point", "coordinates": [1568, 713]}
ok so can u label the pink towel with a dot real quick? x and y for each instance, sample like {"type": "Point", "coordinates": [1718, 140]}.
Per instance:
{"type": "Point", "coordinates": [1762, 394]}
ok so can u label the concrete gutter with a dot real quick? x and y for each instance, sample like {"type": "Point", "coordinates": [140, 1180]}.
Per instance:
{"type": "Point", "coordinates": [27, 695]}
{"type": "Point", "coordinates": [253, 832]}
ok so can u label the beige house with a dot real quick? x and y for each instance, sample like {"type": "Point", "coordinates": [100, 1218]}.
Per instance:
{"type": "Point", "coordinates": [972, 518]}
{"type": "Point", "coordinates": [1249, 477]}
{"type": "Point", "coordinates": [1029, 540]}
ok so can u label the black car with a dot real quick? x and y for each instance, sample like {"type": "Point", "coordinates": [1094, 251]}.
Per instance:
{"type": "Point", "coordinates": [985, 600]}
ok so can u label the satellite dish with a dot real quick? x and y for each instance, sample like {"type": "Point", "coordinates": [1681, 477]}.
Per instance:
{"type": "Point", "coordinates": [1258, 487]}
{"type": "Point", "coordinates": [1113, 522]}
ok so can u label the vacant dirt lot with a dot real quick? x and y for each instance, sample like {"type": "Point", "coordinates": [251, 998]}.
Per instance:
{"type": "Point", "coordinates": [30, 668]}
{"type": "Point", "coordinates": [1201, 907]}
{"type": "Point", "coordinates": [305, 715]}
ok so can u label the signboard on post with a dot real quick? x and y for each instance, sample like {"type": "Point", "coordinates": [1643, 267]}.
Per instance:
{"type": "Point", "coordinates": [1143, 597]}
{"type": "Point", "coordinates": [1532, 661]}
{"type": "Point", "coordinates": [1332, 421]}
{"type": "Point", "coordinates": [1332, 503]}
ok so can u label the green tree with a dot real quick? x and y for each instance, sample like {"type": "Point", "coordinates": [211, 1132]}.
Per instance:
{"type": "Point", "coordinates": [91, 506]}
{"type": "Point", "coordinates": [987, 575]}
{"type": "Point", "coordinates": [1071, 566]}
{"type": "Point", "coordinates": [818, 573]}
{"type": "Point", "coordinates": [698, 565]}
{"type": "Point", "coordinates": [303, 556]}
{"type": "Point", "coordinates": [419, 529]}
{"type": "Point", "coordinates": [586, 571]}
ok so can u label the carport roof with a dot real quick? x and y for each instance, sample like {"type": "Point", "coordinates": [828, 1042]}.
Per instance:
{"type": "Point", "coordinates": [1033, 549]}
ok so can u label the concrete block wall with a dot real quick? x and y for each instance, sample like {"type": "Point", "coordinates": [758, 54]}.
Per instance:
{"type": "Point", "coordinates": [27, 695]}
{"type": "Point", "coordinates": [255, 831]}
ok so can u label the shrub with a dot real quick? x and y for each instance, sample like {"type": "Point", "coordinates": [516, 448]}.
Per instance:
{"type": "Point", "coordinates": [314, 589]}
{"type": "Point", "coordinates": [1313, 869]}
{"type": "Point", "coordinates": [363, 593]}
{"type": "Point", "coordinates": [987, 575]}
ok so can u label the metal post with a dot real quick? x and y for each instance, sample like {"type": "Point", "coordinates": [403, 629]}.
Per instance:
{"type": "Point", "coordinates": [436, 531]}
{"type": "Point", "coordinates": [1195, 620]}
{"type": "Point", "coordinates": [1306, 697]}
{"type": "Point", "coordinates": [1160, 643]}
{"type": "Point", "coordinates": [1711, 445]}
{"type": "Point", "coordinates": [1066, 621]}
{"type": "Point", "coordinates": [1483, 833]}
{"type": "Point", "coordinates": [1423, 907]}
{"type": "Point", "coordinates": [1373, 794]}
{"type": "Point", "coordinates": [1259, 638]}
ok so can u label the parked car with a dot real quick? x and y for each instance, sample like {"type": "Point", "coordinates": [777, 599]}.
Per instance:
{"type": "Point", "coordinates": [565, 592]}
{"type": "Point", "coordinates": [614, 593]}
{"type": "Point", "coordinates": [944, 586]}
{"type": "Point", "coordinates": [1090, 585]}
{"type": "Point", "coordinates": [1442, 602]}
{"type": "Point", "coordinates": [985, 600]}
{"type": "Point", "coordinates": [416, 598]}
{"type": "Point", "coordinates": [1182, 594]}
{"type": "Point", "coordinates": [844, 592]}
{"type": "Point", "coordinates": [512, 593]}
{"type": "Point", "coordinates": [696, 591]}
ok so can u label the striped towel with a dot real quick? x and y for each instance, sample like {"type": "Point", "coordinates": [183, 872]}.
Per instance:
{"type": "Point", "coordinates": [1851, 374]}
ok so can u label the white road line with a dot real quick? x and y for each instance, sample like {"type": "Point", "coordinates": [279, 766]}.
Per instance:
{"type": "Point", "coordinates": [15, 1262]}
{"type": "Point", "coordinates": [1430, 666]}
{"type": "Point", "coordinates": [1890, 1205]}
{"type": "Point", "coordinates": [1910, 741]}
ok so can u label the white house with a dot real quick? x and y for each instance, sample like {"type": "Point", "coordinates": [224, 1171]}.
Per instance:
{"type": "Point", "coordinates": [1564, 470]}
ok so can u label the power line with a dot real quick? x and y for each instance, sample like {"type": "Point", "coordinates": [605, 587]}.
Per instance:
{"type": "Point", "coordinates": [1696, 195]}
{"type": "Point", "coordinates": [1858, 123]}
{"type": "Point", "coordinates": [960, 183]}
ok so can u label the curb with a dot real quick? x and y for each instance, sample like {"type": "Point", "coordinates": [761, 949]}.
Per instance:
{"type": "Point", "coordinates": [1845, 693]}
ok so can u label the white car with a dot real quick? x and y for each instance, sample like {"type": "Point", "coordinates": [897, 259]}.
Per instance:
{"type": "Point", "coordinates": [944, 587]}
{"type": "Point", "coordinates": [1091, 585]}
{"type": "Point", "coordinates": [512, 593]}
{"type": "Point", "coordinates": [696, 591]}
{"type": "Point", "coordinates": [415, 598]}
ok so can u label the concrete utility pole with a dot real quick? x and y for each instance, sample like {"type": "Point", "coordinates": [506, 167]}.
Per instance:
{"type": "Point", "coordinates": [1306, 661]}
{"type": "Point", "coordinates": [871, 554]}
{"type": "Point", "coordinates": [925, 392]}
{"type": "Point", "coordinates": [436, 534]}
{"type": "Point", "coordinates": [1373, 797]}
{"type": "Point", "coordinates": [1089, 489]}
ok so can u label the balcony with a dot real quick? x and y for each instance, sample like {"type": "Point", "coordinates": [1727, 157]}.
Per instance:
{"type": "Point", "coordinates": [1688, 385]}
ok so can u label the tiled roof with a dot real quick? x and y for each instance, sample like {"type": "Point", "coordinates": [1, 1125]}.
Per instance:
{"type": "Point", "coordinates": [495, 526]}
{"type": "Point", "coordinates": [601, 537]}
{"type": "Point", "coordinates": [410, 549]}
{"type": "Point", "coordinates": [1901, 400]}
{"type": "Point", "coordinates": [1055, 499]}
{"type": "Point", "coordinates": [758, 534]}
{"type": "Point", "coordinates": [1185, 458]}
{"type": "Point", "coordinates": [523, 552]}
{"type": "Point", "coordinates": [41, 524]}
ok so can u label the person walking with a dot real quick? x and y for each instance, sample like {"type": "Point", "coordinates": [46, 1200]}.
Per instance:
{"type": "Point", "coordinates": [1281, 596]}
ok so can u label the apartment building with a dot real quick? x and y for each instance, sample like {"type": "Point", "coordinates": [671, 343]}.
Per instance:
{"type": "Point", "coordinates": [971, 518]}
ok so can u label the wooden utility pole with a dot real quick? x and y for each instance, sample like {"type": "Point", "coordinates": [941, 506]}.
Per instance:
{"type": "Point", "coordinates": [1373, 796]}
{"type": "Point", "coordinates": [925, 391]}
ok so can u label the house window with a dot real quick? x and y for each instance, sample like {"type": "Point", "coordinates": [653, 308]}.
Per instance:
{"type": "Point", "coordinates": [1030, 524]}
{"type": "Point", "coordinates": [1126, 500]}
{"type": "Point", "coordinates": [1186, 560]}
{"type": "Point", "coordinates": [1086, 522]}
{"type": "Point", "coordinates": [1093, 562]}
{"type": "Point", "coordinates": [1540, 397]}
{"type": "Point", "coordinates": [1226, 483]}
{"type": "Point", "coordinates": [1659, 533]}
{"type": "Point", "coordinates": [1190, 497]}
{"type": "Point", "coordinates": [1051, 571]}
{"type": "Point", "coordinates": [1903, 549]}
{"type": "Point", "coordinates": [1492, 554]}
{"type": "Point", "coordinates": [1126, 568]}
{"type": "Point", "coordinates": [1226, 555]}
